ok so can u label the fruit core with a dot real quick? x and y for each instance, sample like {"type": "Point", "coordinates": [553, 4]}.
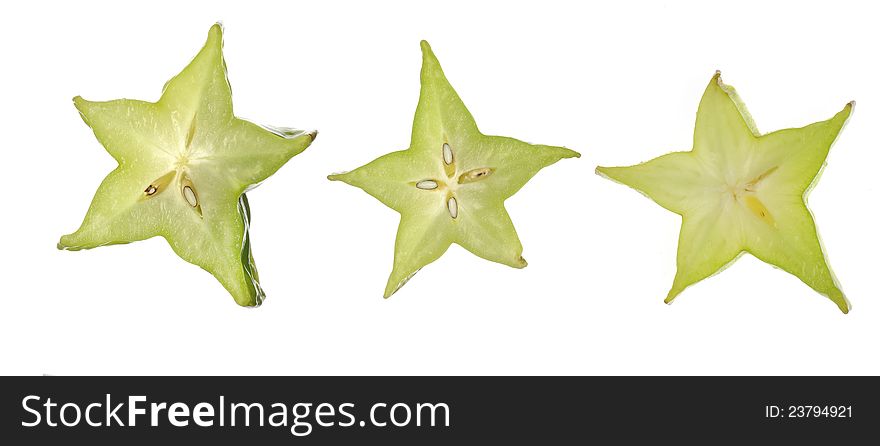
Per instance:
{"type": "Point", "coordinates": [746, 194]}
{"type": "Point", "coordinates": [454, 179]}
{"type": "Point", "coordinates": [178, 177]}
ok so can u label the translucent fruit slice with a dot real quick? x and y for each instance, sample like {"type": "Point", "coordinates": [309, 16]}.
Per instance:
{"type": "Point", "coordinates": [738, 191]}
{"type": "Point", "coordinates": [185, 163]}
{"type": "Point", "coordinates": [450, 185]}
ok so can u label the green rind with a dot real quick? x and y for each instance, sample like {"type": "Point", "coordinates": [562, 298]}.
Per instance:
{"type": "Point", "coordinates": [247, 257]}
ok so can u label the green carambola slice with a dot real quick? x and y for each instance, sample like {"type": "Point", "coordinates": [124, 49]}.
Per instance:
{"type": "Point", "coordinates": [185, 163]}
{"type": "Point", "coordinates": [450, 185]}
{"type": "Point", "coordinates": [738, 191]}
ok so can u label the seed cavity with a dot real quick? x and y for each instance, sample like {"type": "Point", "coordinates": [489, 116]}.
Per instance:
{"type": "Point", "coordinates": [191, 132]}
{"type": "Point", "coordinates": [158, 185]}
{"type": "Point", "coordinates": [448, 158]}
{"type": "Point", "coordinates": [757, 207]}
{"type": "Point", "coordinates": [475, 175]}
{"type": "Point", "coordinates": [452, 206]}
{"type": "Point", "coordinates": [748, 197]}
{"type": "Point", "coordinates": [751, 186]}
{"type": "Point", "coordinates": [427, 185]}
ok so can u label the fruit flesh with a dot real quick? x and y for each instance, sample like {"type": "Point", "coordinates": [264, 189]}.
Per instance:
{"type": "Point", "coordinates": [185, 163]}
{"type": "Point", "coordinates": [738, 191]}
{"type": "Point", "coordinates": [450, 185]}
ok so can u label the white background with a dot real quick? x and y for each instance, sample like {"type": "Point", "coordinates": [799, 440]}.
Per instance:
{"type": "Point", "coordinates": [617, 81]}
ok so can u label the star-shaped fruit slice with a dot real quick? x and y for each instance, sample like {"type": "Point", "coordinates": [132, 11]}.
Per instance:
{"type": "Point", "coordinates": [449, 186]}
{"type": "Point", "coordinates": [739, 191]}
{"type": "Point", "coordinates": [185, 163]}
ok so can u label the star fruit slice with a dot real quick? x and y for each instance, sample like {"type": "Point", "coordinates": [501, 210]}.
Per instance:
{"type": "Point", "coordinates": [185, 163]}
{"type": "Point", "coordinates": [450, 185]}
{"type": "Point", "coordinates": [739, 191]}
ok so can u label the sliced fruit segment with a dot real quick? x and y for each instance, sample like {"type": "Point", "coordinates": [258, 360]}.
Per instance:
{"type": "Point", "coordinates": [418, 244]}
{"type": "Point", "coordinates": [125, 127]}
{"type": "Point", "coordinates": [184, 165]}
{"type": "Point", "coordinates": [512, 162]}
{"type": "Point", "coordinates": [450, 185]}
{"type": "Point", "coordinates": [706, 245]}
{"type": "Point", "coordinates": [792, 245]}
{"type": "Point", "coordinates": [738, 191]}
{"type": "Point", "coordinates": [200, 92]}
{"type": "Point", "coordinates": [675, 180]}
{"type": "Point", "coordinates": [440, 115]}
{"type": "Point", "coordinates": [401, 180]}
{"type": "Point", "coordinates": [800, 153]}
{"type": "Point", "coordinates": [118, 214]}
{"type": "Point", "coordinates": [722, 116]}
{"type": "Point", "coordinates": [488, 232]}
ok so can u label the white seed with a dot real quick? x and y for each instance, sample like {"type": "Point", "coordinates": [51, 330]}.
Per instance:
{"type": "Point", "coordinates": [190, 196]}
{"type": "Point", "coordinates": [427, 184]}
{"type": "Point", "coordinates": [452, 205]}
{"type": "Point", "coordinates": [447, 154]}
{"type": "Point", "coordinates": [150, 190]}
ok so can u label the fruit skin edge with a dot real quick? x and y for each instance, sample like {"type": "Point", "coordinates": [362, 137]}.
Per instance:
{"type": "Point", "coordinates": [846, 307]}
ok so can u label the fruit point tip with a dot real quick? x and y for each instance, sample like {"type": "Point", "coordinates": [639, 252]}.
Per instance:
{"type": "Point", "coordinates": [846, 112]}
{"type": "Point", "coordinates": [313, 134]}
{"type": "Point", "coordinates": [61, 246]}
{"type": "Point", "coordinates": [215, 36]}
{"type": "Point", "coordinates": [841, 301]}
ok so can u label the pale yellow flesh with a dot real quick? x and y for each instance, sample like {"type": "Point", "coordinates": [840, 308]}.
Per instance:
{"type": "Point", "coordinates": [197, 159]}
{"type": "Point", "coordinates": [476, 171]}
{"type": "Point", "coordinates": [738, 191]}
